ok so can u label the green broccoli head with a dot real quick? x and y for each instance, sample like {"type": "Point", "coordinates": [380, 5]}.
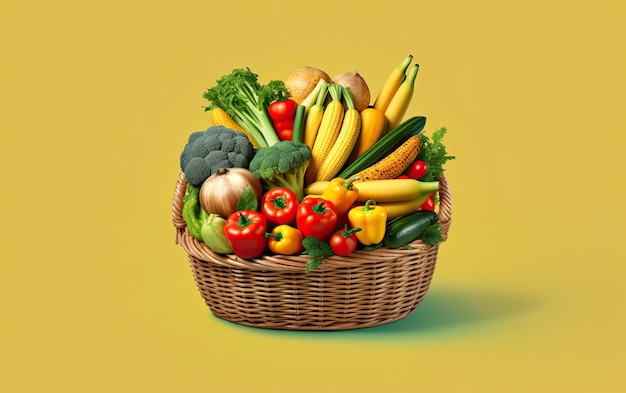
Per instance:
{"type": "Point", "coordinates": [208, 151]}
{"type": "Point", "coordinates": [282, 164]}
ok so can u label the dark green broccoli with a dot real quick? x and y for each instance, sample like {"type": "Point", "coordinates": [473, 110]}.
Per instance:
{"type": "Point", "coordinates": [282, 164]}
{"type": "Point", "coordinates": [208, 151]}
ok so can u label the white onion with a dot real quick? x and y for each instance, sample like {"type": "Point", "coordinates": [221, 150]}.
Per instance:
{"type": "Point", "coordinates": [358, 88]}
{"type": "Point", "coordinates": [220, 192]}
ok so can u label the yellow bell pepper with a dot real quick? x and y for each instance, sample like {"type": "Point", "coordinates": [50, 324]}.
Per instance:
{"type": "Point", "coordinates": [285, 240]}
{"type": "Point", "coordinates": [373, 221]}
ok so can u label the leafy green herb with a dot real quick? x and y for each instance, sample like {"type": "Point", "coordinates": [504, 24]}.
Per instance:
{"type": "Point", "coordinates": [432, 234]}
{"type": "Point", "coordinates": [317, 250]}
{"type": "Point", "coordinates": [433, 153]}
{"type": "Point", "coordinates": [247, 200]}
{"type": "Point", "coordinates": [242, 96]}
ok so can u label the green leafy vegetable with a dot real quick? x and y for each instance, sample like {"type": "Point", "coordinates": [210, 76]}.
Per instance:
{"type": "Point", "coordinates": [432, 234]}
{"type": "Point", "coordinates": [242, 96]}
{"type": "Point", "coordinates": [207, 228]}
{"type": "Point", "coordinates": [317, 250]}
{"type": "Point", "coordinates": [433, 153]}
{"type": "Point", "coordinates": [247, 200]}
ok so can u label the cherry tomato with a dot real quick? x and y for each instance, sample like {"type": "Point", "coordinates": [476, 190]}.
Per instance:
{"type": "Point", "coordinates": [429, 204]}
{"type": "Point", "coordinates": [403, 177]}
{"type": "Point", "coordinates": [344, 241]}
{"type": "Point", "coordinates": [417, 170]}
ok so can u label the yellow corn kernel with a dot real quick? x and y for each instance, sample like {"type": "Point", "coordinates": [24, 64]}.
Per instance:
{"type": "Point", "coordinates": [346, 140]}
{"type": "Point", "coordinates": [327, 133]}
{"type": "Point", "coordinates": [312, 124]}
{"type": "Point", "coordinates": [394, 164]}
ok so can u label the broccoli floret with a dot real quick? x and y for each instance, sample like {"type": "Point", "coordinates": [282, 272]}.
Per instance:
{"type": "Point", "coordinates": [208, 151]}
{"type": "Point", "coordinates": [282, 164]}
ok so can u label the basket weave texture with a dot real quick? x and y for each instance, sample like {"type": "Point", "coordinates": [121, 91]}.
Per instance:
{"type": "Point", "coordinates": [367, 288]}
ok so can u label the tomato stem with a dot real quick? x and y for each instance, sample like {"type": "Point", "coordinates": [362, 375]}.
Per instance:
{"type": "Point", "coordinates": [346, 233]}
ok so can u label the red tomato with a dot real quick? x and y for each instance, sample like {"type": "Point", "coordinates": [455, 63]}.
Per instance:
{"type": "Point", "coordinates": [344, 241]}
{"type": "Point", "coordinates": [429, 204]}
{"type": "Point", "coordinates": [403, 177]}
{"type": "Point", "coordinates": [417, 170]}
{"type": "Point", "coordinates": [280, 205]}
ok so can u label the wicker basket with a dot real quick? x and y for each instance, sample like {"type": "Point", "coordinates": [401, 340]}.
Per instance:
{"type": "Point", "coordinates": [368, 288]}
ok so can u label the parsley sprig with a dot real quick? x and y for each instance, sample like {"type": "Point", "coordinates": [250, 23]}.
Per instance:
{"type": "Point", "coordinates": [433, 153]}
{"type": "Point", "coordinates": [316, 250]}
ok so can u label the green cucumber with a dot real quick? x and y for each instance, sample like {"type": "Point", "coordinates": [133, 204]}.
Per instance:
{"type": "Point", "coordinates": [406, 229]}
{"type": "Point", "coordinates": [385, 146]}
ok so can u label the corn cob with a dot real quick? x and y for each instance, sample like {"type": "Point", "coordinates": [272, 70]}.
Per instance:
{"type": "Point", "coordinates": [394, 164]}
{"type": "Point", "coordinates": [219, 117]}
{"type": "Point", "coordinates": [392, 83]}
{"type": "Point", "coordinates": [348, 135]}
{"type": "Point", "coordinates": [401, 100]}
{"type": "Point", "coordinates": [327, 133]}
{"type": "Point", "coordinates": [314, 117]}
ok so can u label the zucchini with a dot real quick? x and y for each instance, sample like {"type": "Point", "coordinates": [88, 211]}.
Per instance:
{"type": "Point", "coordinates": [385, 146]}
{"type": "Point", "coordinates": [403, 230]}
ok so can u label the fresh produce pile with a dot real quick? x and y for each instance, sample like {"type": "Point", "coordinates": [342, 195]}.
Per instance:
{"type": "Point", "coordinates": [310, 165]}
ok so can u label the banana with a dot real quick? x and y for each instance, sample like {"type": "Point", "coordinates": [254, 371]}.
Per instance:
{"type": "Point", "coordinates": [382, 191]}
{"type": "Point", "coordinates": [400, 101]}
{"type": "Point", "coordinates": [399, 209]}
{"type": "Point", "coordinates": [391, 84]}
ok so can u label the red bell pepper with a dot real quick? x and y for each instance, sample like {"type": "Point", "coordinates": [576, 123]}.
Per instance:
{"type": "Point", "coordinates": [283, 113]}
{"type": "Point", "coordinates": [429, 203]}
{"type": "Point", "coordinates": [280, 205]}
{"type": "Point", "coordinates": [316, 217]}
{"type": "Point", "coordinates": [245, 230]}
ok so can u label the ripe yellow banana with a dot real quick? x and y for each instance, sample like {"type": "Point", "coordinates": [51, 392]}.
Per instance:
{"type": "Point", "coordinates": [391, 84]}
{"type": "Point", "coordinates": [402, 208]}
{"type": "Point", "coordinates": [383, 191]}
{"type": "Point", "coordinates": [400, 101]}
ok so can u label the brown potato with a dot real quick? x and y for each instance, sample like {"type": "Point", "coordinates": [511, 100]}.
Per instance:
{"type": "Point", "coordinates": [303, 80]}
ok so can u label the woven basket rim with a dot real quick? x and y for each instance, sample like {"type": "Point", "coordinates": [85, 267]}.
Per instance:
{"type": "Point", "coordinates": [269, 262]}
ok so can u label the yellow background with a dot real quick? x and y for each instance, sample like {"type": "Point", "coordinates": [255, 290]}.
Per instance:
{"type": "Point", "coordinates": [97, 100]}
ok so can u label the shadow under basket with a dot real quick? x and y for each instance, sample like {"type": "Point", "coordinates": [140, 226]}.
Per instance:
{"type": "Point", "coordinates": [365, 289]}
